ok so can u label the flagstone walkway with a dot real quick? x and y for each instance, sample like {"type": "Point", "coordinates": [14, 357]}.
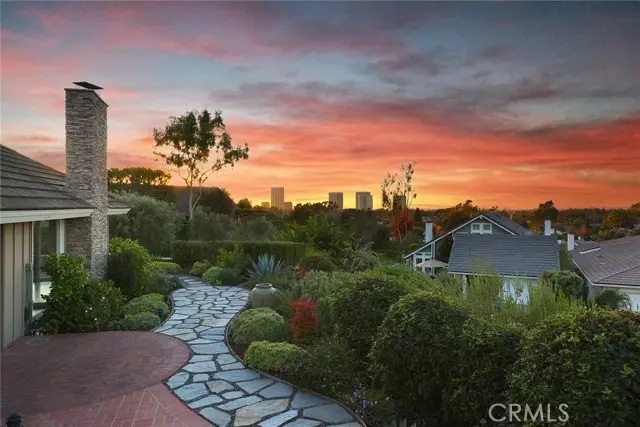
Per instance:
{"type": "Point", "coordinates": [217, 385]}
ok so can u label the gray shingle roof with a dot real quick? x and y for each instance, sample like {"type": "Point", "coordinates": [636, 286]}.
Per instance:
{"type": "Point", "coordinates": [526, 256]}
{"type": "Point", "coordinates": [28, 185]}
{"type": "Point", "coordinates": [507, 223]}
{"type": "Point", "coordinates": [612, 262]}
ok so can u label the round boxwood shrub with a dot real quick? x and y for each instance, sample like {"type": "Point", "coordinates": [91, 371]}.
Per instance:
{"type": "Point", "coordinates": [358, 308]}
{"type": "Point", "coordinates": [412, 352]}
{"type": "Point", "coordinates": [152, 303]}
{"type": "Point", "coordinates": [478, 378]}
{"type": "Point", "coordinates": [589, 360]}
{"type": "Point", "coordinates": [144, 321]}
{"type": "Point", "coordinates": [317, 263]}
{"type": "Point", "coordinates": [212, 276]}
{"type": "Point", "coordinates": [257, 324]}
{"type": "Point", "coordinates": [274, 357]}
{"type": "Point", "coordinates": [165, 267]}
{"type": "Point", "coordinates": [199, 268]}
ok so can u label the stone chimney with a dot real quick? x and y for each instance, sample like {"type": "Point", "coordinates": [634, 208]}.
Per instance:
{"type": "Point", "coordinates": [547, 227]}
{"type": "Point", "coordinates": [571, 243]}
{"type": "Point", "coordinates": [86, 175]}
{"type": "Point", "coordinates": [428, 232]}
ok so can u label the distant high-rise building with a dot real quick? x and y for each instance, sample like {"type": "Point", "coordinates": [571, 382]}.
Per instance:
{"type": "Point", "coordinates": [265, 205]}
{"type": "Point", "coordinates": [337, 198]}
{"type": "Point", "coordinates": [399, 202]}
{"type": "Point", "coordinates": [288, 206]}
{"type": "Point", "coordinates": [364, 201]}
{"type": "Point", "coordinates": [277, 198]}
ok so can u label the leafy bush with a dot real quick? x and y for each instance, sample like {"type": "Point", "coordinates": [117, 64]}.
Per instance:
{"type": "Point", "coordinates": [152, 303]}
{"type": "Point", "coordinates": [479, 375]}
{"type": "Point", "coordinates": [564, 281]}
{"type": "Point", "coordinates": [317, 263]}
{"type": "Point", "coordinates": [165, 267]}
{"type": "Point", "coordinates": [304, 321]}
{"type": "Point", "coordinates": [587, 359]}
{"type": "Point", "coordinates": [186, 253]}
{"type": "Point", "coordinates": [205, 225]}
{"type": "Point", "coordinates": [127, 266]}
{"type": "Point", "coordinates": [141, 321]}
{"type": "Point", "coordinates": [234, 259]}
{"type": "Point", "coordinates": [257, 324]}
{"type": "Point", "coordinates": [613, 299]}
{"type": "Point", "coordinates": [266, 265]}
{"type": "Point", "coordinates": [212, 276]}
{"type": "Point", "coordinates": [156, 282]}
{"type": "Point", "coordinates": [199, 268]}
{"type": "Point", "coordinates": [358, 308]}
{"type": "Point", "coordinates": [255, 230]}
{"type": "Point", "coordinates": [152, 222]}
{"type": "Point", "coordinates": [76, 303]}
{"type": "Point", "coordinates": [360, 257]}
{"type": "Point", "coordinates": [229, 276]}
{"type": "Point", "coordinates": [321, 233]}
{"type": "Point", "coordinates": [274, 357]}
{"type": "Point", "coordinates": [411, 354]}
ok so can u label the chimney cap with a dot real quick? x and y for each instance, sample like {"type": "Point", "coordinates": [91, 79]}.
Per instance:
{"type": "Point", "coordinates": [87, 85]}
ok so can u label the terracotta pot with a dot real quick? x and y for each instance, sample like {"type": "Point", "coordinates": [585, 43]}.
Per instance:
{"type": "Point", "coordinates": [263, 295]}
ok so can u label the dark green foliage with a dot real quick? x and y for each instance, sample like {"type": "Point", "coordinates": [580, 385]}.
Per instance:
{"type": "Point", "coordinates": [141, 321]}
{"type": "Point", "coordinates": [152, 303]}
{"type": "Point", "coordinates": [199, 268]}
{"type": "Point", "coordinates": [317, 262]}
{"type": "Point", "coordinates": [127, 266]}
{"type": "Point", "coordinates": [205, 225]}
{"type": "Point", "coordinates": [255, 230]}
{"type": "Point", "coordinates": [359, 307]}
{"type": "Point", "coordinates": [235, 259]}
{"type": "Point", "coordinates": [274, 357]}
{"type": "Point", "coordinates": [257, 324]}
{"type": "Point", "coordinates": [229, 277]}
{"type": "Point", "coordinates": [587, 359]}
{"type": "Point", "coordinates": [613, 299]}
{"type": "Point", "coordinates": [212, 276]}
{"type": "Point", "coordinates": [412, 352]}
{"type": "Point", "coordinates": [77, 303]}
{"type": "Point", "coordinates": [156, 281]}
{"type": "Point", "coordinates": [151, 222]}
{"type": "Point", "coordinates": [165, 267]}
{"type": "Point", "coordinates": [564, 281]}
{"type": "Point", "coordinates": [216, 200]}
{"type": "Point", "coordinates": [478, 378]}
{"type": "Point", "coordinates": [321, 233]}
{"type": "Point", "coordinates": [186, 253]}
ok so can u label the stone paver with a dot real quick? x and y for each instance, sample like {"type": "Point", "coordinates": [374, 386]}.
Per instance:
{"type": "Point", "coordinates": [217, 385]}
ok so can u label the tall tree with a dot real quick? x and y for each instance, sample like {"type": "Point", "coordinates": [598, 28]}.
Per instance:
{"type": "Point", "coordinates": [138, 177]}
{"type": "Point", "coordinates": [397, 196]}
{"type": "Point", "coordinates": [186, 144]}
{"type": "Point", "coordinates": [244, 203]}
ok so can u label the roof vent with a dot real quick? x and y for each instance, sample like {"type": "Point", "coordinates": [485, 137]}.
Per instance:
{"type": "Point", "coordinates": [87, 85]}
{"type": "Point", "coordinates": [589, 250]}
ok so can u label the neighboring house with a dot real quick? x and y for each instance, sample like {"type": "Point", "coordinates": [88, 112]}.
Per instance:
{"type": "Point", "coordinates": [611, 264]}
{"type": "Point", "coordinates": [518, 259]}
{"type": "Point", "coordinates": [45, 212]}
{"type": "Point", "coordinates": [486, 223]}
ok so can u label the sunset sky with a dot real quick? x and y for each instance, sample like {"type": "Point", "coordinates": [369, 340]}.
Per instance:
{"type": "Point", "coordinates": [507, 104]}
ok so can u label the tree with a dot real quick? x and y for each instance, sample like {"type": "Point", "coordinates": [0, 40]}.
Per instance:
{"type": "Point", "coordinates": [546, 210]}
{"type": "Point", "coordinates": [186, 144]}
{"type": "Point", "coordinates": [137, 177]}
{"type": "Point", "coordinates": [397, 196]}
{"type": "Point", "coordinates": [244, 204]}
{"type": "Point", "coordinates": [217, 200]}
{"type": "Point", "coordinates": [619, 218]}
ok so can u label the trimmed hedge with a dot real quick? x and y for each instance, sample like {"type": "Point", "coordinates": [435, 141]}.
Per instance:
{"type": "Point", "coordinates": [144, 321]}
{"type": "Point", "coordinates": [186, 252]}
{"type": "Point", "coordinates": [165, 267]}
{"type": "Point", "coordinates": [274, 357]}
{"type": "Point", "coordinates": [152, 303]}
{"type": "Point", "coordinates": [257, 324]}
{"type": "Point", "coordinates": [589, 360]}
{"type": "Point", "coordinates": [199, 268]}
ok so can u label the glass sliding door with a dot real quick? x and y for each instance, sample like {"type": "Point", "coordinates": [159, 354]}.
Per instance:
{"type": "Point", "coordinates": [48, 239]}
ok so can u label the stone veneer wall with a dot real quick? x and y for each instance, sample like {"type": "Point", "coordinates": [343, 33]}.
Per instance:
{"type": "Point", "coordinates": [86, 176]}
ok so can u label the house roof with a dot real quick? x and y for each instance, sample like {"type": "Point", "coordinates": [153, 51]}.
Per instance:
{"type": "Point", "coordinates": [27, 185]}
{"type": "Point", "coordinates": [491, 216]}
{"type": "Point", "coordinates": [509, 255]}
{"type": "Point", "coordinates": [611, 262]}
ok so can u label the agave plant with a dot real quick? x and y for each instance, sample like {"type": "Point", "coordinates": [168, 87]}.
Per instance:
{"type": "Point", "coordinates": [265, 267]}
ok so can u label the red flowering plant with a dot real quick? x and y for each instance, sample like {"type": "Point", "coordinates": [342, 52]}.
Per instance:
{"type": "Point", "coordinates": [401, 223]}
{"type": "Point", "coordinates": [301, 272]}
{"type": "Point", "coordinates": [304, 322]}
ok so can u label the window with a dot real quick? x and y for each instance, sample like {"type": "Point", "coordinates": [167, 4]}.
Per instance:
{"type": "Point", "coordinates": [48, 239]}
{"type": "Point", "coordinates": [480, 228]}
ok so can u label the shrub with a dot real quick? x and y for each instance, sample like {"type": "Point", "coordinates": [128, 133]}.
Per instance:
{"type": "Point", "coordinates": [156, 282]}
{"type": "Point", "coordinates": [229, 276]}
{"type": "Point", "coordinates": [411, 355]}
{"type": "Point", "coordinates": [152, 222]}
{"type": "Point", "coordinates": [209, 226]}
{"type": "Point", "coordinates": [257, 324]}
{"type": "Point", "coordinates": [212, 276]}
{"type": "Point", "coordinates": [317, 263]}
{"type": "Point", "coordinates": [266, 265]}
{"type": "Point", "coordinates": [165, 267]}
{"type": "Point", "coordinates": [143, 321]}
{"type": "Point", "coordinates": [188, 252]}
{"type": "Point", "coordinates": [127, 266]}
{"type": "Point", "coordinates": [152, 303]}
{"type": "Point", "coordinates": [613, 299]}
{"type": "Point", "coordinates": [199, 268]}
{"type": "Point", "coordinates": [76, 303]}
{"type": "Point", "coordinates": [564, 281]}
{"type": "Point", "coordinates": [274, 357]}
{"type": "Point", "coordinates": [360, 257]}
{"type": "Point", "coordinates": [358, 308]}
{"type": "Point", "coordinates": [479, 376]}
{"type": "Point", "coordinates": [587, 359]}
{"type": "Point", "coordinates": [255, 230]}
{"type": "Point", "coordinates": [234, 259]}
{"type": "Point", "coordinates": [304, 321]}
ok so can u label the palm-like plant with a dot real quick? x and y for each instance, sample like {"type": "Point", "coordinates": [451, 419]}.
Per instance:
{"type": "Point", "coordinates": [266, 266]}
{"type": "Point", "coordinates": [613, 299]}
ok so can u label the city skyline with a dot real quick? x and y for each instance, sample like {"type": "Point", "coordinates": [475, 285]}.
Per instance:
{"type": "Point", "coordinates": [507, 104]}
